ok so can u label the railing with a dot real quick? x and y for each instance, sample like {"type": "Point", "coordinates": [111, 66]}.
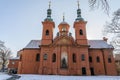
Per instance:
{"type": "Point", "coordinates": [59, 34]}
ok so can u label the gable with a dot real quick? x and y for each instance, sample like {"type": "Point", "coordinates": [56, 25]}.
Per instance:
{"type": "Point", "coordinates": [63, 40]}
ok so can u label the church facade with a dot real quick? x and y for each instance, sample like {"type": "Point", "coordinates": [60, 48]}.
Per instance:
{"type": "Point", "coordinates": [65, 55]}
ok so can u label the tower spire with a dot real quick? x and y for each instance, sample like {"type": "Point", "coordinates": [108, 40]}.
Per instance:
{"type": "Point", "coordinates": [79, 18]}
{"type": "Point", "coordinates": [63, 17]}
{"type": "Point", "coordinates": [49, 12]}
{"type": "Point", "coordinates": [49, 4]}
{"type": "Point", "coordinates": [78, 4]}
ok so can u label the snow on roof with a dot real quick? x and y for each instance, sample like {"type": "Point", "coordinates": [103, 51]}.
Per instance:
{"type": "Point", "coordinates": [34, 44]}
{"type": "Point", "coordinates": [97, 44]}
{"type": "Point", "coordinates": [15, 58]}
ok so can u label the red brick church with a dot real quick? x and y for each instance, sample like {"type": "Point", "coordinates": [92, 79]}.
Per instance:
{"type": "Point", "coordinates": [65, 55]}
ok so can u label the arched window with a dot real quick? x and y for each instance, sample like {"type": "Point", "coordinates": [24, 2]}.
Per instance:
{"type": "Point", "coordinates": [97, 59]}
{"type": "Point", "coordinates": [109, 60]}
{"type": "Point", "coordinates": [64, 63]}
{"type": "Point", "coordinates": [90, 59]}
{"type": "Point", "coordinates": [20, 57]}
{"type": "Point", "coordinates": [74, 57]}
{"type": "Point", "coordinates": [54, 57]}
{"type": "Point", "coordinates": [47, 32]}
{"type": "Point", "coordinates": [38, 57]}
{"type": "Point", "coordinates": [83, 57]}
{"type": "Point", "coordinates": [45, 56]}
{"type": "Point", "coordinates": [81, 32]}
{"type": "Point", "coordinates": [64, 60]}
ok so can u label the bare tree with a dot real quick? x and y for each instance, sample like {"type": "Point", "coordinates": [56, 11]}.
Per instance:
{"type": "Point", "coordinates": [113, 29]}
{"type": "Point", "coordinates": [5, 54]}
{"type": "Point", "coordinates": [100, 3]}
{"type": "Point", "coordinates": [114, 25]}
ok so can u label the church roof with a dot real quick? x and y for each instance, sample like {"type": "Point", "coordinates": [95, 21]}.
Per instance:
{"type": "Point", "coordinates": [34, 44]}
{"type": "Point", "coordinates": [94, 44]}
{"type": "Point", "coordinates": [63, 22]}
{"type": "Point", "coordinates": [99, 44]}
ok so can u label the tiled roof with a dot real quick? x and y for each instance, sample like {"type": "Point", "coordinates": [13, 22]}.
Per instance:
{"type": "Point", "coordinates": [34, 44]}
{"type": "Point", "coordinates": [97, 44]}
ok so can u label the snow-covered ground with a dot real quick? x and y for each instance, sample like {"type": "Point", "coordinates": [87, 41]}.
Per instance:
{"type": "Point", "coordinates": [4, 76]}
{"type": "Point", "coordinates": [58, 77]}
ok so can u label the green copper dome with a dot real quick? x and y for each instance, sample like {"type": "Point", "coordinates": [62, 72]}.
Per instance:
{"type": "Point", "coordinates": [49, 12]}
{"type": "Point", "coordinates": [79, 18]}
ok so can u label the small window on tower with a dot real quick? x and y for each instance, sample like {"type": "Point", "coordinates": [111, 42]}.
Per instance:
{"type": "Point", "coordinates": [47, 32]}
{"type": "Point", "coordinates": [81, 32]}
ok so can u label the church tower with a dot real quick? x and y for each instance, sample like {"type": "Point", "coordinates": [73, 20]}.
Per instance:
{"type": "Point", "coordinates": [80, 28]}
{"type": "Point", "coordinates": [48, 26]}
{"type": "Point", "coordinates": [63, 27]}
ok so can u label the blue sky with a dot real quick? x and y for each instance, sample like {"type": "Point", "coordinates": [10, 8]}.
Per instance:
{"type": "Point", "coordinates": [20, 20]}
